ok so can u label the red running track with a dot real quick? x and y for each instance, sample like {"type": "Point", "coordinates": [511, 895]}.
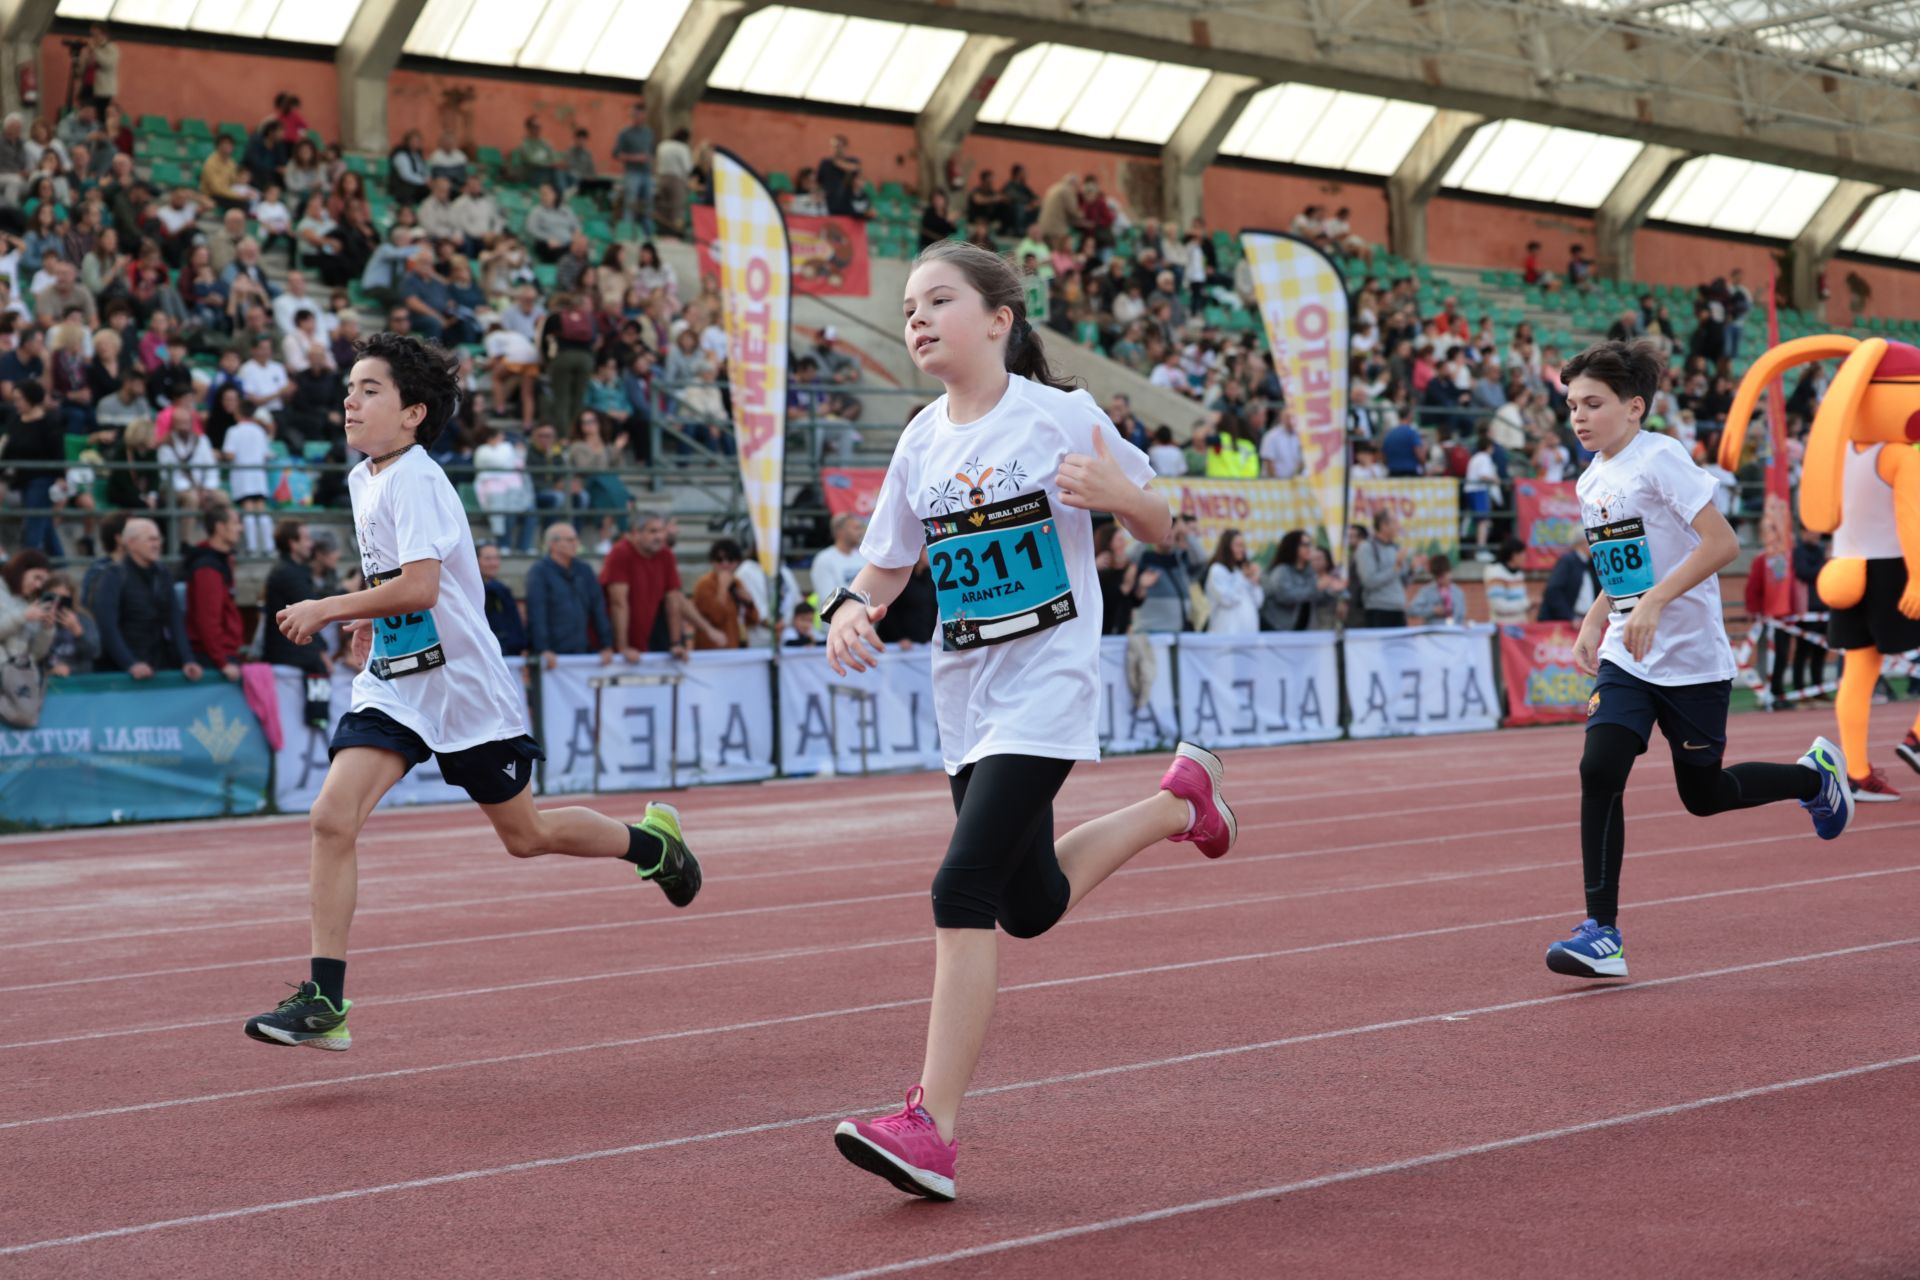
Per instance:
{"type": "Point", "coordinates": [1335, 1052]}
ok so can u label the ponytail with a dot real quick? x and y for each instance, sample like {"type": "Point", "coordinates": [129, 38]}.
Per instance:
{"type": "Point", "coordinates": [994, 278]}
{"type": "Point", "coordinates": [1027, 358]}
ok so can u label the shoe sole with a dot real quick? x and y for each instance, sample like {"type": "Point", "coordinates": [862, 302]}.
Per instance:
{"type": "Point", "coordinates": [1573, 966]}
{"type": "Point", "coordinates": [1846, 792]}
{"type": "Point", "coordinates": [1910, 755]}
{"type": "Point", "coordinates": [886, 1165]}
{"type": "Point", "coordinates": [1217, 775]}
{"type": "Point", "coordinates": [290, 1040]}
{"type": "Point", "coordinates": [1872, 797]}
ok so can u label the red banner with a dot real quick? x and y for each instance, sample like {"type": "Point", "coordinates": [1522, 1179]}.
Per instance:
{"type": "Point", "coordinates": [1543, 685]}
{"type": "Point", "coordinates": [829, 254]}
{"type": "Point", "coordinates": [1547, 519]}
{"type": "Point", "coordinates": [852, 489]}
{"type": "Point", "coordinates": [1776, 522]}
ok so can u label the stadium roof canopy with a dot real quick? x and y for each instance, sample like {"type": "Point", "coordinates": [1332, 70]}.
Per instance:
{"type": "Point", "coordinates": [304, 21]}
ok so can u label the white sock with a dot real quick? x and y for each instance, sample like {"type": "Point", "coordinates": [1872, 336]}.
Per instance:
{"type": "Point", "coordinates": [1193, 817]}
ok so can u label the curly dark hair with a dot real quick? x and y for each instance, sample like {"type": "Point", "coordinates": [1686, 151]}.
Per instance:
{"type": "Point", "coordinates": [1628, 368]}
{"type": "Point", "coordinates": [425, 373]}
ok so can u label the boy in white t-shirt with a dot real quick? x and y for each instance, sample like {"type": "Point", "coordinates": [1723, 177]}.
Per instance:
{"type": "Point", "coordinates": [247, 446]}
{"type": "Point", "coordinates": [1655, 639]}
{"type": "Point", "coordinates": [433, 683]}
{"type": "Point", "coordinates": [995, 481]}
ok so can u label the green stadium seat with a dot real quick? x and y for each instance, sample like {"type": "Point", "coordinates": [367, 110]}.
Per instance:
{"type": "Point", "coordinates": [190, 127]}
{"type": "Point", "coordinates": [365, 166]}
{"type": "Point", "coordinates": [778, 182]}
{"type": "Point", "coordinates": [546, 275]}
{"type": "Point", "coordinates": [489, 158]}
{"type": "Point", "coordinates": [152, 125]}
{"type": "Point", "coordinates": [893, 191]}
{"type": "Point", "coordinates": [238, 132]}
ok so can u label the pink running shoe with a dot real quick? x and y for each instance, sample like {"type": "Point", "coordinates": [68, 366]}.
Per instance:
{"type": "Point", "coordinates": [1195, 776]}
{"type": "Point", "coordinates": [904, 1148]}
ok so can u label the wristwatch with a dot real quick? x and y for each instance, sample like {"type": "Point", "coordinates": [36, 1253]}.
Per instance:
{"type": "Point", "coordinates": [840, 596]}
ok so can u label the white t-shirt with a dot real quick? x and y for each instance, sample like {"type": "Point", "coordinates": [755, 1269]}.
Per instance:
{"type": "Point", "coordinates": [1036, 695]}
{"type": "Point", "coordinates": [1653, 480]}
{"type": "Point", "coordinates": [287, 306]}
{"type": "Point", "coordinates": [410, 511]}
{"type": "Point", "coordinates": [833, 569]}
{"type": "Point", "coordinates": [1168, 460]}
{"type": "Point", "coordinates": [264, 382]}
{"type": "Point", "coordinates": [1281, 447]}
{"type": "Point", "coordinates": [514, 347]}
{"type": "Point", "coordinates": [247, 442]}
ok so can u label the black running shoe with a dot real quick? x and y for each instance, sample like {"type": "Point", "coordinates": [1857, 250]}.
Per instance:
{"type": "Point", "coordinates": [678, 871]}
{"type": "Point", "coordinates": [305, 1017]}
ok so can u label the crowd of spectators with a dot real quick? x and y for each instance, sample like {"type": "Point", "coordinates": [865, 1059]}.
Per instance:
{"type": "Point", "coordinates": [172, 351]}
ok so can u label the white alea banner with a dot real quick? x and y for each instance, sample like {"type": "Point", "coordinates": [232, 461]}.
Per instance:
{"type": "Point", "coordinates": [1420, 680]}
{"type": "Point", "coordinates": [300, 766]}
{"type": "Point", "coordinates": [1260, 689]}
{"type": "Point", "coordinates": [656, 724]}
{"type": "Point", "coordinates": [863, 722]}
{"type": "Point", "coordinates": [1136, 699]}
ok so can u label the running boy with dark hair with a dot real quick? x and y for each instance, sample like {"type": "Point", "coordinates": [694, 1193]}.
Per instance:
{"type": "Point", "coordinates": [434, 683]}
{"type": "Point", "coordinates": [1657, 642]}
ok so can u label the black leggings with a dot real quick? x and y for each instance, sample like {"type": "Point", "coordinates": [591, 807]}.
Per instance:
{"type": "Point", "coordinates": [1000, 868]}
{"type": "Point", "coordinates": [1704, 789]}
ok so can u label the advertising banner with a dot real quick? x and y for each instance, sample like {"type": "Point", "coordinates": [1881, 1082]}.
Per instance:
{"type": "Point", "coordinates": [1420, 680]}
{"type": "Point", "coordinates": [1267, 510]}
{"type": "Point", "coordinates": [109, 748]}
{"type": "Point", "coordinates": [829, 254]}
{"type": "Point", "coordinates": [756, 270]}
{"type": "Point", "coordinates": [1303, 307]}
{"type": "Point", "coordinates": [1259, 690]}
{"type": "Point", "coordinates": [1546, 517]}
{"type": "Point", "coordinates": [1543, 685]}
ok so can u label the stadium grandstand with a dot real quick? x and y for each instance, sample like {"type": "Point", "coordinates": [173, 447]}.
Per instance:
{"type": "Point", "coordinates": [208, 206]}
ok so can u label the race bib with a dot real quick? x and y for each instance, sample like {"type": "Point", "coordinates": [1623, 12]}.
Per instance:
{"type": "Point", "coordinates": [405, 644]}
{"type": "Point", "coordinates": [1621, 560]}
{"type": "Point", "coordinates": [998, 572]}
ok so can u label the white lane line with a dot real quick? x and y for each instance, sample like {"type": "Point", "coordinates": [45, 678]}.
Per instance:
{"type": "Point", "coordinates": [1377, 1170]}
{"type": "Point", "coordinates": [1042, 984]}
{"type": "Point", "coordinates": [758, 957]}
{"type": "Point", "coordinates": [293, 889]}
{"type": "Point", "coordinates": [522, 1166]}
{"type": "Point", "coordinates": [1125, 872]}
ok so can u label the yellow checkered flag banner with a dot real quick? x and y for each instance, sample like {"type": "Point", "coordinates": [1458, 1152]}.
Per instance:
{"type": "Point", "coordinates": [1303, 303]}
{"type": "Point", "coordinates": [756, 281]}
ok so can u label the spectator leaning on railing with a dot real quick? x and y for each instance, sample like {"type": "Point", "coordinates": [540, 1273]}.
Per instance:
{"type": "Point", "coordinates": [566, 609]}
{"type": "Point", "coordinates": [142, 626]}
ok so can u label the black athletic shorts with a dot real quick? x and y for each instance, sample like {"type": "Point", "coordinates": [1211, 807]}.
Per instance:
{"type": "Point", "coordinates": [492, 773]}
{"type": "Point", "coordinates": [1876, 622]}
{"type": "Point", "coordinates": [1692, 716]}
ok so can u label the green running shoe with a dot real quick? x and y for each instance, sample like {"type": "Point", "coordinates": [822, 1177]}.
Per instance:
{"type": "Point", "coordinates": [678, 871]}
{"type": "Point", "coordinates": [305, 1017]}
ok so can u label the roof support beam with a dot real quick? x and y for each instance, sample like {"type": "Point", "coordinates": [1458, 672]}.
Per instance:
{"type": "Point", "coordinates": [692, 52]}
{"type": "Point", "coordinates": [1627, 205]}
{"type": "Point", "coordinates": [1196, 141]}
{"type": "Point", "coordinates": [1418, 178]}
{"type": "Point", "coordinates": [367, 55]}
{"type": "Point", "coordinates": [944, 123]}
{"type": "Point", "coordinates": [23, 25]}
{"type": "Point", "coordinates": [1815, 247]}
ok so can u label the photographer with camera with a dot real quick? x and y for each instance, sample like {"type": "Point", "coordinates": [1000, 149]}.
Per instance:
{"type": "Point", "coordinates": [97, 59]}
{"type": "Point", "coordinates": [27, 622]}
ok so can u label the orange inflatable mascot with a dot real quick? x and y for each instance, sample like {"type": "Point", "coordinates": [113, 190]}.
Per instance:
{"type": "Point", "coordinates": [1861, 483]}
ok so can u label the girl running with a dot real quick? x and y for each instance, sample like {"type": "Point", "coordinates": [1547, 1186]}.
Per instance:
{"type": "Point", "coordinates": [995, 480]}
{"type": "Point", "coordinates": [434, 683]}
{"type": "Point", "coordinates": [1656, 640]}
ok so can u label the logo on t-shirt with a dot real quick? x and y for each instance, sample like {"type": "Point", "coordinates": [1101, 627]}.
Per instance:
{"type": "Point", "coordinates": [974, 484]}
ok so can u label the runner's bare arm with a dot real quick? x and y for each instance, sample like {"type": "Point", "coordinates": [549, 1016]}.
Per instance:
{"type": "Point", "coordinates": [417, 588]}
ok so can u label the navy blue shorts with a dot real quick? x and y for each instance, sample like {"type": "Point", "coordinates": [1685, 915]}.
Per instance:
{"type": "Point", "coordinates": [491, 773]}
{"type": "Point", "coordinates": [1692, 716]}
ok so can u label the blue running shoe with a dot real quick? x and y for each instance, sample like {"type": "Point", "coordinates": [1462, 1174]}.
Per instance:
{"type": "Point", "coordinates": [1594, 951]}
{"type": "Point", "coordinates": [1832, 809]}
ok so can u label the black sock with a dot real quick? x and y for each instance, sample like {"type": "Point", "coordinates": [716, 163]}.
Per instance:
{"type": "Point", "coordinates": [644, 849]}
{"type": "Point", "coordinates": [330, 976]}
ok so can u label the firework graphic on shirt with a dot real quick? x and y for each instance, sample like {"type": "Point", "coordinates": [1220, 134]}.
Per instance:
{"type": "Point", "coordinates": [1013, 478]}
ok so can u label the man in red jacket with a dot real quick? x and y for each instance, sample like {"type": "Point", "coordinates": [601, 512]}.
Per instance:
{"type": "Point", "coordinates": [213, 616]}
